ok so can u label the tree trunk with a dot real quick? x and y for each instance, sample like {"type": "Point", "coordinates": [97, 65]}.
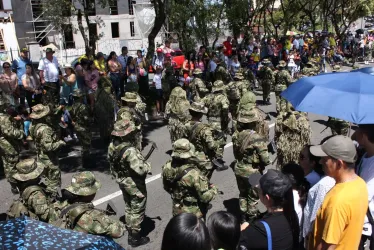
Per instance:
{"type": "Point", "coordinates": [91, 38]}
{"type": "Point", "coordinates": [81, 29]}
{"type": "Point", "coordinates": [159, 22]}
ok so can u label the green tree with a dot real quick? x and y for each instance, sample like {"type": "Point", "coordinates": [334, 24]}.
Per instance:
{"type": "Point", "coordinates": [60, 12]}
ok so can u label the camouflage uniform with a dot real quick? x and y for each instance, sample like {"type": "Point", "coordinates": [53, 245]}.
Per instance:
{"type": "Point", "coordinates": [222, 74]}
{"type": "Point", "coordinates": [282, 81]}
{"type": "Point", "coordinates": [33, 201]}
{"type": "Point", "coordinates": [234, 91]}
{"type": "Point", "coordinates": [169, 81]}
{"type": "Point", "coordinates": [197, 86]}
{"type": "Point", "coordinates": [338, 126]}
{"type": "Point", "coordinates": [80, 113]}
{"type": "Point", "coordinates": [189, 188]}
{"type": "Point", "coordinates": [130, 169]}
{"type": "Point", "coordinates": [248, 103]}
{"type": "Point", "coordinates": [47, 146]}
{"type": "Point", "coordinates": [11, 134]}
{"type": "Point", "coordinates": [82, 216]}
{"type": "Point", "coordinates": [177, 112]}
{"type": "Point", "coordinates": [266, 75]}
{"type": "Point", "coordinates": [105, 104]}
{"type": "Point", "coordinates": [251, 154]}
{"type": "Point", "coordinates": [310, 69]}
{"type": "Point", "coordinates": [218, 108]}
{"type": "Point", "coordinates": [292, 133]}
{"type": "Point", "coordinates": [132, 114]}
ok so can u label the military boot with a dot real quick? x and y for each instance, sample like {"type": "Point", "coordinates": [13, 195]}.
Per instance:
{"type": "Point", "coordinates": [13, 188]}
{"type": "Point", "coordinates": [136, 240]}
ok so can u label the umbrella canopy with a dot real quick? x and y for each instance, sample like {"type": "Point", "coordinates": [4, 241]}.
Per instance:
{"type": "Point", "coordinates": [348, 96]}
{"type": "Point", "coordinates": [291, 33]}
{"type": "Point", "coordinates": [367, 70]}
{"type": "Point", "coordinates": [50, 46]}
{"type": "Point", "coordinates": [25, 233]}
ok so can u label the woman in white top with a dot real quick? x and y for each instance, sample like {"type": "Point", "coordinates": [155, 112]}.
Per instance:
{"type": "Point", "coordinates": [31, 84]}
{"type": "Point", "coordinates": [310, 164]}
{"type": "Point", "coordinates": [235, 65]}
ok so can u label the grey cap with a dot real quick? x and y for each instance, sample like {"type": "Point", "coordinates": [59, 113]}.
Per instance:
{"type": "Point", "coordinates": [339, 147]}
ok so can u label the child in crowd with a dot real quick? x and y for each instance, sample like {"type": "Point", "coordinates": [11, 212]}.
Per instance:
{"type": "Point", "coordinates": [158, 85]}
{"type": "Point", "coordinates": [256, 56]}
{"type": "Point", "coordinates": [224, 230]}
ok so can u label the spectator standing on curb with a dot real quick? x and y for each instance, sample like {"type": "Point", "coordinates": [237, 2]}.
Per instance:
{"type": "Point", "coordinates": [19, 67]}
{"type": "Point", "coordinates": [100, 64]}
{"type": "Point", "coordinates": [123, 60]}
{"type": "Point", "coordinates": [114, 68]}
{"type": "Point", "coordinates": [9, 84]}
{"type": "Point", "coordinates": [158, 85]}
{"type": "Point", "coordinates": [340, 219]}
{"type": "Point", "coordinates": [310, 164]}
{"type": "Point", "coordinates": [32, 86]}
{"type": "Point", "coordinates": [365, 169]}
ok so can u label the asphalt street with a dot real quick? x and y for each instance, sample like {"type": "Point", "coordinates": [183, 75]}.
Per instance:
{"type": "Point", "coordinates": [158, 211]}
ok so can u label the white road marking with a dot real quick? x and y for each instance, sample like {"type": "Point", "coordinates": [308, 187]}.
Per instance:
{"type": "Point", "coordinates": [148, 180]}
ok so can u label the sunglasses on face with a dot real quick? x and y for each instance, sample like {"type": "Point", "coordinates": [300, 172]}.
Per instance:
{"type": "Point", "coordinates": [6, 67]}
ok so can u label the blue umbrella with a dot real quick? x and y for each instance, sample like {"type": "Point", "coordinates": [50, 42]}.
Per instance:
{"type": "Point", "coordinates": [348, 96]}
{"type": "Point", "coordinates": [25, 233]}
{"type": "Point", "coordinates": [367, 70]}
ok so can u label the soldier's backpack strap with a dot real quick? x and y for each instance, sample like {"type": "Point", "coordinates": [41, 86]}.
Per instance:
{"type": "Point", "coordinates": [180, 175]}
{"type": "Point", "coordinates": [75, 211]}
{"type": "Point", "coordinates": [195, 130]}
{"type": "Point", "coordinates": [247, 140]}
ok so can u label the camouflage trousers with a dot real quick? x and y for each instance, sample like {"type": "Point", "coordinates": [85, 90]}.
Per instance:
{"type": "Point", "coordinates": [282, 105]}
{"type": "Point", "coordinates": [176, 129]}
{"type": "Point", "coordinates": [233, 109]}
{"type": "Point", "coordinates": [51, 96]}
{"type": "Point", "coordinates": [266, 91]}
{"type": "Point", "coordinates": [84, 135]}
{"type": "Point", "coordinates": [52, 172]}
{"type": "Point", "coordinates": [9, 164]}
{"type": "Point", "coordinates": [135, 196]}
{"type": "Point", "coordinates": [179, 208]}
{"type": "Point", "coordinates": [218, 135]}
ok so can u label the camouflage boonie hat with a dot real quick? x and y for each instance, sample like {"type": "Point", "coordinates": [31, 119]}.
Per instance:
{"type": "Point", "coordinates": [39, 111]}
{"type": "Point", "coordinates": [123, 128]}
{"type": "Point", "coordinates": [197, 71]}
{"type": "Point", "coordinates": [238, 76]}
{"type": "Point", "coordinates": [78, 93]}
{"type": "Point", "coordinates": [50, 85]}
{"type": "Point", "coordinates": [265, 61]}
{"type": "Point", "coordinates": [282, 64]}
{"type": "Point", "coordinates": [248, 98]}
{"type": "Point", "coordinates": [84, 184]}
{"type": "Point", "coordinates": [313, 60]}
{"type": "Point", "coordinates": [198, 107]}
{"type": "Point", "coordinates": [218, 86]}
{"type": "Point", "coordinates": [335, 68]}
{"type": "Point", "coordinates": [28, 169]}
{"type": "Point", "coordinates": [129, 97]}
{"type": "Point", "coordinates": [183, 149]}
{"type": "Point", "coordinates": [290, 121]}
{"type": "Point", "coordinates": [248, 116]}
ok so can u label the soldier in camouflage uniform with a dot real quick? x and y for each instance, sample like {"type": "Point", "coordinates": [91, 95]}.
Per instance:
{"type": "Point", "coordinates": [47, 146]}
{"type": "Point", "coordinates": [309, 70]}
{"type": "Point", "coordinates": [250, 79]}
{"type": "Point", "coordinates": [33, 201]}
{"type": "Point", "coordinates": [130, 169]}
{"type": "Point", "coordinates": [168, 81]}
{"type": "Point", "coordinates": [80, 114]}
{"type": "Point", "coordinates": [11, 135]}
{"type": "Point", "coordinates": [177, 112]}
{"type": "Point", "coordinates": [282, 81]}
{"type": "Point", "coordinates": [266, 75]}
{"type": "Point", "coordinates": [201, 136]}
{"type": "Point", "coordinates": [80, 212]}
{"type": "Point", "coordinates": [190, 190]}
{"type": "Point", "coordinates": [335, 68]}
{"type": "Point", "coordinates": [338, 126]}
{"type": "Point", "coordinates": [251, 154]}
{"type": "Point", "coordinates": [130, 112]}
{"type": "Point", "coordinates": [218, 114]}
{"type": "Point", "coordinates": [51, 95]}
{"type": "Point", "coordinates": [221, 73]}
{"type": "Point", "coordinates": [292, 133]}
{"type": "Point", "coordinates": [105, 104]}
{"type": "Point", "coordinates": [197, 86]}
{"type": "Point", "coordinates": [234, 91]}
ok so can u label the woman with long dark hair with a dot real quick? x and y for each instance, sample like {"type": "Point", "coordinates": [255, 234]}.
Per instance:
{"type": "Point", "coordinates": [311, 166]}
{"type": "Point", "coordinates": [224, 230]}
{"type": "Point", "coordinates": [31, 84]}
{"type": "Point", "coordinates": [279, 226]}
{"type": "Point", "coordinates": [114, 68]}
{"type": "Point", "coordinates": [185, 232]}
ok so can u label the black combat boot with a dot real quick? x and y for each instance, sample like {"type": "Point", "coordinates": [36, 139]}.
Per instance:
{"type": "Point", "coordinates": [13, 188]}
{"type": "Point", "coordinates": [136, 240]}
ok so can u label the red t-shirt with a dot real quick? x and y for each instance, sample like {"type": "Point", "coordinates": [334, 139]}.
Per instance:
{"type": "Point", "coordinates": [228, 48]}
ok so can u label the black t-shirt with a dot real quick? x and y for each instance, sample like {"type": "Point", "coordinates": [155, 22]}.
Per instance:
{"type": "Point", "coordinates": [254, 236]}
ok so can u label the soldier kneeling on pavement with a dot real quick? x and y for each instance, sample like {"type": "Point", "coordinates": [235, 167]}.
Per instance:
{"type": "Point", "coordinates": [33, 201]}
{"type": "Point", "coordinates": [79, 214]}
{"type": "Point", "coordinates": [190, 190]}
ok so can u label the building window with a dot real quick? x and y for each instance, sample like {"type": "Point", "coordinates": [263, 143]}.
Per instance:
{"type": "Point", "coordinates": [68, 36]}
{"type": "Point", "coordinates": [115, 30]}
{"type": "Point", "coordinates": [91, 7]}
{"type": "Point", "coordinates": [1, 5]}
{"type": "Point", "coordinates": [113, 7]}
{"type": "Point", "coordinates": [92, 29]}
{"type": "Point", "coordinates": [132, 28]}
{"type": "Point", "coordinates": [131, 7]}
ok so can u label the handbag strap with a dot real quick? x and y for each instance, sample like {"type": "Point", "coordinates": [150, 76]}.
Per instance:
{"type": "Point", "coordinates": [268, 235]}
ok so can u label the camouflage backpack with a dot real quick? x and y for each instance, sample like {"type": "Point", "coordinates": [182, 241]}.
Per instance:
{"type": "Point", "coordinates": [233, 92]}
{"type": "Point", "coordinates": [71, 214]}
{"type": "Point", "coordinates": [18, 208]}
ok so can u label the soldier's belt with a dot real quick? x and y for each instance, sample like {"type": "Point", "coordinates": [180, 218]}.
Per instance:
{"type": "Point", "coordinates": [214, 119]}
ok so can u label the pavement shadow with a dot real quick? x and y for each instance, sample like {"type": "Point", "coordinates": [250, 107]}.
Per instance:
{"type": "Point", "coordinates": [147, 226]}
{"type": "Point", "coordinates": [322, 122]}
{"type": "Point", "coordinates": [232, 206]}
{"type": "Point", "coordinates": [149, 127]}
{"type": "Point", "coordinates": [273, 114]}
